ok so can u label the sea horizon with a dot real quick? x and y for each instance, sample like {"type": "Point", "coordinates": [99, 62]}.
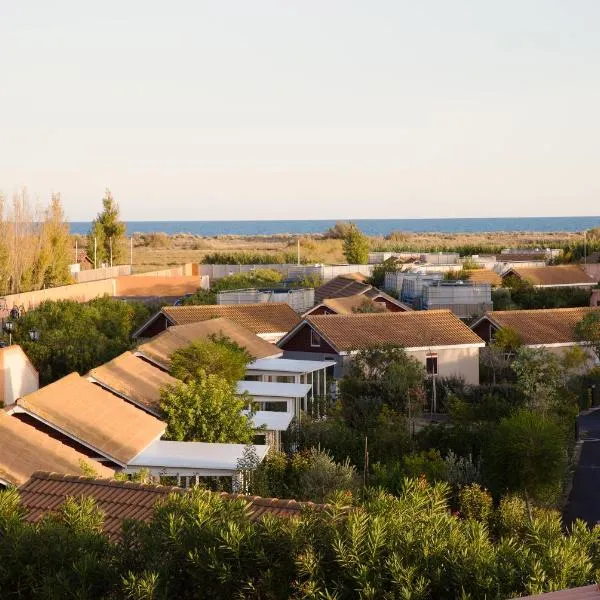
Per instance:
{"type": "Point", "coordinates": [368, 226]}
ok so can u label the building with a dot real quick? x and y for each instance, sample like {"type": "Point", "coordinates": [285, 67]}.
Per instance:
{"type": "Point", "coordinates": [348, 284]}
{"type": "Point", "coordinates": [372, 300]}
{"type": "Point", "coordinates": [300, 299]}
{"type": "Point", "coordinates": [551, 328]}
{"type": "Point", "coordinates": [464, 298]}
{"type": "Point", "coordinates": [268, 321]}
{"type": "Point", "coordinates": [17, 375]}
{"type": "Point", "coordinates": [438, 339]}
{"type": "Point", "coordinates": [24, 450]}
{"type": "Point", "coordinates": [551, 277]}
{"type": "Point", "coordinates": [278, 397]}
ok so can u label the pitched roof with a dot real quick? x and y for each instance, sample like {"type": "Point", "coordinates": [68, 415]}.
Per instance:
{"type": "Point", "coordinates": [341, 287]}
{"type": "Point", "coordinates": [485, 276]}
{"type": "Point", "coordinates": [348, 304]}
{"type": "Point", "coordinates": [267, 317]}
{"type": "Point", "coordinates": [120, 500]}
{"type": "Point", "coordinates": [555, 275]}
{"type": "Point", "coordinates": [26, 450]}
{"type": "Point", "coordinates": [588, 592]}
{"type": "Point", "coordinates": [542, 326]}
{"type": "Point", "coordinates": [129, 376]}
{"type": "Point", "coordinates": [161, 347]}
{"type": "Point", "coordinates": [414, 329]}
{"type": "Point", "coordinates": [97, 418]}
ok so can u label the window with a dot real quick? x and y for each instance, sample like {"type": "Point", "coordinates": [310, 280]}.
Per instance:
{"type": "Point", "coordinates": [315, 340]}
{"type": "Point", "coordinates": [431, 364]}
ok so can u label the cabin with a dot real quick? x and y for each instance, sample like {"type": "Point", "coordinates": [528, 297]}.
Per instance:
{"type": "Point", "coordinates": [550, 277]}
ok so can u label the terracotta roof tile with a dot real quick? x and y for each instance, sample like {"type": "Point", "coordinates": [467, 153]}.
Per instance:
{"type": "Point", "coordinates": [161, 347]}
{"type": "Point", "coordinates": [24, 450]}
{"type": "Point", "coordinates": [259, 318]}
{"type": "Point", "coordinates": [549, 276]}
{"type": "Point", "coordinates": [414, 329]}
{"type": "Point", "coordinates": [131, 377]}
{"type": "Point", "coordinates": [98, 418]}
{"type": "Point", "coordinates": [485, 276]}
{"type": "Point", "coordinates": [542, 326]}
{"type": "Point", "coordinates": [120, 500]}
{"type": "Point", "coordinates": [348, 304]}
{"type": "Point", "coordinates": [341, 287]}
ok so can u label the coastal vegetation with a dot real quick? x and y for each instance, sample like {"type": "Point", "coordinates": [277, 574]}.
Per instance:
{"type": "Point", "coordinates": [105, 242]}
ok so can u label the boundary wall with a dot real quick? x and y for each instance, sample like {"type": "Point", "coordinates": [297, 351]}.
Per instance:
{"type": "Point", "coordinates": [289, 271]}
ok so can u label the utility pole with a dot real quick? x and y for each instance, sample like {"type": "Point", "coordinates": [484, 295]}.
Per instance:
{"type": "Point", "coordinates": [76, 252]}
{"type": "Point", "coordinates": [95, 251]}
{"type": "Point", "coordinates": [110, 241]}
{"type": "Point", "coordinates": [298, 251]}
{"type": "Point", "coordinates": [131, 251]}
{"type": "Point", "coordinates": [585, 247]}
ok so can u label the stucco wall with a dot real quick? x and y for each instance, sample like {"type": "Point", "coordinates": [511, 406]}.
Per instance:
{"type": "Point", "coordinates": [454, 362]}
{"type": "Point", "coordinates": [17, 375]}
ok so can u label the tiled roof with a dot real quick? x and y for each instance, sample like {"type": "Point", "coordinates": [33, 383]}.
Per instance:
{"type": "Point", "coordinates": [98, 418]}
{"type": "Point", "coordinates": [259, 318]}
{"type": "Point", "coordinates": [120, 500]}
{"type": "Point", "coordinates": [414, 329]}
{"type": "Point", "coordinates": [134, 378]}
{"type": "Point", "coordinates": [161, 347]}
{"type": "Point", "coordinates": [485, 276]}
{"type": "Point", "coordinates": [347, 305]}
{"type": "Point", "coordinates": [24, 450]}
{"type": "Point", "coordinates": [543, 326]}
{"type": "Point", "coordinates": [521, 257]}
{"type": "Point", "coordinates": [588, 592]}
{"type": "Point", "coordinates": [557, 275]}
{"type": "Point", "coordinates": [341, 287]}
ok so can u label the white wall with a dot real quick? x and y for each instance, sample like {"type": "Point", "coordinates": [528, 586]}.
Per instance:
{"type": "Point", "coordinates": [454, 362]}
{"type": "Point", "coordinates": [18, 377]}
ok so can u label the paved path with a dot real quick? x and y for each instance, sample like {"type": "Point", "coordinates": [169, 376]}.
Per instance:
{"type": "Point", "coordinates": [584, 500]}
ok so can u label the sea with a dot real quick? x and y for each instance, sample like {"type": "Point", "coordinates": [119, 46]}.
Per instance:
{"type": "Point", "coordinates": [368, 226]}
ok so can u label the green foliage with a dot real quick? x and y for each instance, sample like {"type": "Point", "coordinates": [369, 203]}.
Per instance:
{"type": "Point", "coordinates": [217, 355]}
{"type": "Point", "coordinates": [588, 331]}
{"type": "Point", "coordinates": [76, 336]}
{"type": "Point", "coordinates": [356, 246]}
{"type": "Point", "coordinates": [368, 306]}
{"type": "Point", "coordinates": [507, 340]}
{"type": "Point", "coordinates": [109, 232]}
{"type": "Point", "coordinates": [199, 298]}
{"type": "Point", "coordinates": [339, 231]}
{"type": "Point", "coordinates": [459, 275]}
{"type": "Point", "coordinates": [207, 409]}
{"type": "Point", "coordinates": [527, 453]}
{"type": "Point", "coordinates": [517, 294]}
{"type": "Point", "coordinates": [377, 278]}
{"type": "Point", "coordinates": [475, 503]}
{"type": "Point", "coordinates": [323, 477]}
{"type": "Point", "coordinates": [252, 258]}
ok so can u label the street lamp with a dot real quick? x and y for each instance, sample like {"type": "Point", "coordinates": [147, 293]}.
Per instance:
{"type": "Point", "coordinates": [9, 326]}
{"type": "Point", "coordinates": [34, 335]}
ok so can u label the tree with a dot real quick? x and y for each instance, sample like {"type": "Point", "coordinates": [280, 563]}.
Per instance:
{"type": "Point", "coordinates": [368, 306]}
{"type": "Point", "coordinates": [217, 355]}
{"type": "Point", "coordinates": [356, 246]}
{"type": "Point", "coordinates": [324, 477]}
{"type": "Point", "coordinates": [587, 331]}
{"type": "Point", "coordinates": [391, 265]}
{"type": "Point", "coordinates": [207, 409]}
{"type": "Point", "coordinates": [527, 454]}
{"type": "Point", "coordinates": [109, 233]}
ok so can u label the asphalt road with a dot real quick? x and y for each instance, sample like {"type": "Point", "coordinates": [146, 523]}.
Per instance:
{"type": "Point", "coordinates": [584, 500]}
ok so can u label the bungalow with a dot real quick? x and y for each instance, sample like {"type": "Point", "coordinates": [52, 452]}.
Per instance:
{"type": "Point", "coordinates": [550, 328]}
{"type": "Point", "coordinates": [437, 338]}
{"type": "Point", "coordinates": [26, 450]}
{"type": "Point", "coordinates": [270, 321]}
{"type": "Point", "coordinates": [277, 397]}
{"type": "Point", "coordinates": [380, 302]}
{"type": "Point", "coordinates": [551, 277]}
{"type": "Point", "coordinates": [160, 348]}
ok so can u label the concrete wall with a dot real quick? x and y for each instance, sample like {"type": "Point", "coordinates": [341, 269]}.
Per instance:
{"type": "Point", "coordinates": [186, 270]}
{"type": "Point", "coordinates": [156, 286]}
{"type": "Point", "coordinates": [593, 271]}
{"type": "Point", "coordinates": [454, 362]}
{"type": "Point", "coordinates": [325, 272]}
{"type": "Point", "coordinates": [97, 274]}
{"type": "Point", "coordinates": [17, 375]}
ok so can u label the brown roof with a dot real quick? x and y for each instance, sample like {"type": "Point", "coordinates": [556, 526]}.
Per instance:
{"type": "Point", "coordinates": [485, 276]}
{"type": "Point", "coordinates": [543, 326]}
{"type": "Point", "coordinates": [264, 317]}
{"type": "Point", "coordinates": [414, 329]}
{"type": "Point", "coordinates": [131, 377]}
{"type": "Point", "coordinates": [522, 257]}
{"type": "Point", "coordinates": [347, 305]}
{"type": "Point", "coordinates": [94, 416]}
{"type": "Point", "coordinates": [120, 500]}
{"type": "Point", "coordinates": [26, 450]}
{"type": "Point", "coordinates": [588, 592]}
{"type": "Point", "coordinates": [549, 276]}
{"type": "Point", "coordinates": [82, 256]}
{"type": "Point", "coordinates": [341, 287]}
{"type": "Point", "coordinates": [161, 347]}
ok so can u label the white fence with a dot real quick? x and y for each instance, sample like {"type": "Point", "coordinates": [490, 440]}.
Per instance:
{"type": "Point", "coordinates": [104, 273]}
{"type": "Point", "coordinates": [325, 272]}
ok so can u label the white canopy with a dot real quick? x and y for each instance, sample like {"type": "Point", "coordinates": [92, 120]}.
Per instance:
{"type": "Point", "coordinates": [267, 389]}
{"type": "Point", "coordinates": [288, 365]}
{"type": "Point", "coordinates": [272, 420]}
{"type": "Point", "coordinates": [192, 458]}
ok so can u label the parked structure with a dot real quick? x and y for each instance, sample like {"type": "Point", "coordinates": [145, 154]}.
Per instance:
{"type": "Point", "coordinates": [465, 299]}
{"type": "Point", "coordinates": [268, 321]}
{"type": "Point", "coordinates": [549, 277]}
{"type": "Point", "coordinates": [438, 339]}
{"type": "Point", "coordinates": [300, 299]}
{"type": "Point", "coordinates": [17, 375]}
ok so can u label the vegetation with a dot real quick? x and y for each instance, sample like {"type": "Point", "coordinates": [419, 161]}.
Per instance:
{"type": "Point", "coordinates": [215, 356]}
{"type": "Point", "coordinates": [391, 265]}
{"type": "Point", "coordinates": [78, 337]}
{"type": "Point", "coordinates": [517, 294]}
{"type": "Point", "coordinates": [588, 331]}
{"type": "Point", "coordinates": [356, 246]}
{"type": "Point", "coordinates": [108, 232]}
{"type": "Point", "coordinates": [35, 249]}
{"type": "Point", "coordinates": [250, 258]}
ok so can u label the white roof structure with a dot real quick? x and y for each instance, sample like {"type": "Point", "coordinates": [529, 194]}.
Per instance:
{"type": "Point", "coordinates": [271, 420]}
{"type": "Point", "coordinates": [288, 365]}
{"type": "Point", "coordinates": [192, 458]}
{"type": "Point", "coordinates": [266, 389]}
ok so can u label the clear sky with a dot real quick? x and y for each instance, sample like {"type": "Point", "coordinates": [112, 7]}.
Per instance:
{"type": "Point", "coordinates": [256, 109]}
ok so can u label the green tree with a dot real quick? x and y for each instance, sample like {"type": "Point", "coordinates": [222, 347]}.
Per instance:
{"type": "Point", "coordinates": [527, 454]}
{"type": "Point", "coordinates": [217, 355]}
{"type": "Point", "coordinates": [587, 331]}
{"type": "Point", "coordinates": [109, 233]}
{"type": "Point", "coordinates": [207, 409]}
{"type": "Point", "coordinates": [356, 246]}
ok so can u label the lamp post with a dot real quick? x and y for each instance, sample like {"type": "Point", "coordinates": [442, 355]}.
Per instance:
{"type": "Point", "coordinates": [9, 326]}
{"type": "Point", "coordinates": [34, 335]}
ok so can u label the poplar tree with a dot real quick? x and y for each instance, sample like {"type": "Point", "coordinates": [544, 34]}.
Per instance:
{"type": "Point", "coordinates": [109, 232]}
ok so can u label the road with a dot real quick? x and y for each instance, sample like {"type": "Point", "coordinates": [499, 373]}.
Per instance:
{"type": "Point", "coordinates": [584, 499]}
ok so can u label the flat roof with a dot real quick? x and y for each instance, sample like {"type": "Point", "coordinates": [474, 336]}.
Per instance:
{"type": "Point", "coordinates": [273, 390]}
{"type": "Point", "coordinates": [194, 455]}
{"type": "Point", "coordinates": [271, 420]}
{"type": "Point", "coordinates": [289, 365]}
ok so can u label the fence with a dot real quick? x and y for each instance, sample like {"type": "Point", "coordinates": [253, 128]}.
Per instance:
{"type": "Point", "coordinates": [296, 272]}
{"type": "Point", "coordinates": [104, 273]}
{"type": "Point", "coordinates": [299, 299]}
{"type": "Point", "coordinates": [186, 270]}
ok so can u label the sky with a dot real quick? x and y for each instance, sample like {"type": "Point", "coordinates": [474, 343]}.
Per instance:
{"type": "Point", "coordinates": [303, 109]}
